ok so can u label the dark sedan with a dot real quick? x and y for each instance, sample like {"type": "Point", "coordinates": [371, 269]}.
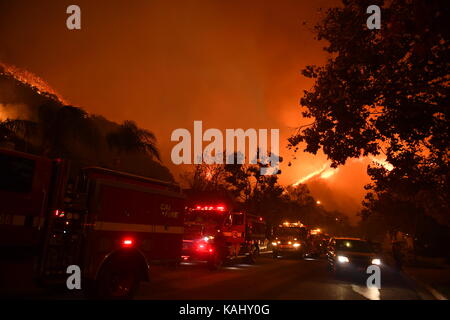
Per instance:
{"type": "Point", "coordinates": [351, 255]}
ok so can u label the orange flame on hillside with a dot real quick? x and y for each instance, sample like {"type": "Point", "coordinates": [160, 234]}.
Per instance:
{"type": "Point", "coordinates": [35, 82]}
{"type": "Point", "coordinates": [323, 173]}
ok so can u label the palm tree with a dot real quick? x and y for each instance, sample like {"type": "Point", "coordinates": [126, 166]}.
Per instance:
{"type": "Point", "coordinates": [59, 131]}
{"type": "Point", "coordinates": [18, 132]}
{"type": "Point", "coordinates": [129, 138]}
{"type": "Point", "coordinates": [62, 127]}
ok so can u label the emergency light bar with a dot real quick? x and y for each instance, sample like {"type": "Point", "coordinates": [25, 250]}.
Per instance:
{"type": "Point", "coordinates": [291, 224]}
{"type": "Point", "coordinates": [210, 208]}
{"type": "Point", "coordinates": [127, 243]}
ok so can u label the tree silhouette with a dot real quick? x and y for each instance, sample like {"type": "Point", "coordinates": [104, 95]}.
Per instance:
{"type": "Point", "coordinates": [62, 127]}
{"type": "Point", "coordinates": [19, 132]}
{"type": "Point", "coordinates": [54, 132]}
{"type": "Point", "coordinates": [131, 139]}
{"type": "Point", "coordinates": [385, 92]}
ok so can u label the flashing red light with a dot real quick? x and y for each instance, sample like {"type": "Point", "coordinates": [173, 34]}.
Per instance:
{"type": "Point", "coordinates": [127, 243]}
{"type": "Point", "coordinates": [59, 213]}
{"type": "Point", "coordinates": [204, 247]}
{"type": "Point", "coordinates": [210, 208]}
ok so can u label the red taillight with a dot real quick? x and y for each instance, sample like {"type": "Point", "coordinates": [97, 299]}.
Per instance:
{"type": "Point", "coordinates": [126, 243]}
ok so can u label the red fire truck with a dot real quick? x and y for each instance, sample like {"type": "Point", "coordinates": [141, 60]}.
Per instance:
{"type": "Point", "coordinates": [215, 234]}
{"type": "Point", "coordinates": [111, 224]}
{"type": "Point", "coordinates": [290, 238]}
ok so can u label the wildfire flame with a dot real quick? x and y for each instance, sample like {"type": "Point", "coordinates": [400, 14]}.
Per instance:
{"type": "Point", "coordinates": [24, 76]}
{"type": "Point", "coordinates": [328, 173]}
{"type": "Point", "coordinates": [323, 173]}
{"type": "Point", "coordinates": [383, 163]}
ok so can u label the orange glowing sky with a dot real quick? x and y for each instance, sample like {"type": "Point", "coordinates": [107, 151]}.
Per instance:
{"type": "Point", "coordinates": [231, 64]}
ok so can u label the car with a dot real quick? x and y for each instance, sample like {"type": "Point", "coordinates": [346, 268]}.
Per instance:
{"type": "Point", "coordinates": [350, 255]}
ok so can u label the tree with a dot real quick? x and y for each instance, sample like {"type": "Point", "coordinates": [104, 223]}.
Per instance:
{"type": "Point", "coordinates": [385, 92]}
{"type": "Point", "coordinates": [54, 132]}
{"type": "Point", "coordinates": [19, 132]}
{"type": "Point", "coordinates": [299, 204]}
{"type": "Point", "coordinates": [63, 127]}
{"type": "Point", "coordinates": [129, 138]}
{"type": "Point", "coordinates": [205, 177]}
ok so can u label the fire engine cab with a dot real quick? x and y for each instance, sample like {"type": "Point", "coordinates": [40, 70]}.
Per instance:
{"type": "Point", "coordinates": [215, 234]}
{"type": "Point", "coordinates": [111, 224]}
{"type": "Point", "coordinates": [290, 238]}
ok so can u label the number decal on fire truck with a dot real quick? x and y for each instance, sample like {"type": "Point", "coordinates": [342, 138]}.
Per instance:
{"type": "Point", "coordinates": [166, 211]}
{"type": "Point", "coordinates": [6, 218]}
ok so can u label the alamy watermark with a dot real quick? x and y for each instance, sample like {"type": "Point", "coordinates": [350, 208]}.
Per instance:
{"type": "Point", "coordinates": [235, 147]}
{"type": "Point", "coordinates": [74, 279]}
{"type": "Point", "coordinates": [374, 280]}
{"type": "Point", "coordinates": [73, 22]}
{"type": "Point", "coordinates": [374, 20]}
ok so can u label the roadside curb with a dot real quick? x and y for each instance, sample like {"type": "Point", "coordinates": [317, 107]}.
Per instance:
{"type": "Point", "coordinates": [421, 286]}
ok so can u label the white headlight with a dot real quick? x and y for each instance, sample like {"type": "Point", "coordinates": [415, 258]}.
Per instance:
{"type": "Point", "coordinates": [296, 245]}
{"type": "Point", "coordinates": [274, 243]}
{"type": "Point", "coordinates": [342, 259]}
{"type": "Point", "coordinates": [376, 261]}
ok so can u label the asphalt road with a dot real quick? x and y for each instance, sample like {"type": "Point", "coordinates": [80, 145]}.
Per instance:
{"type": "Point", "coordinates": [284, 279]}
{"type": "Point", "coordinates": [269, 279]}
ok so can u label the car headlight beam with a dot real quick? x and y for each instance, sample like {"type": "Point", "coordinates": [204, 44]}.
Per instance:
{"type": "Point", "coordinates": [342, 259]}
{"type": "Point", "coordinates": [376, 261]}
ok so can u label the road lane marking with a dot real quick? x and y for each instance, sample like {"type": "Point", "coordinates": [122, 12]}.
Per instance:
{"type": "Point", "coordinates": [368, 293]}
